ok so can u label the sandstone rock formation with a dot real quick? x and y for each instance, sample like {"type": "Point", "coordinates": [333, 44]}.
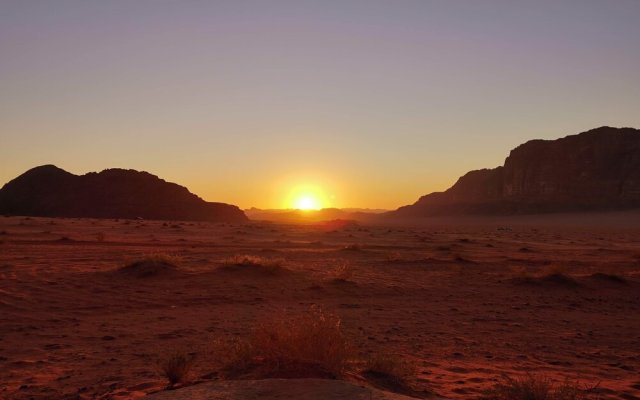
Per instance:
{"type": "Point", "coordinates": [49, 191]}
{"type": "Point", "coordinates": [597, 170]}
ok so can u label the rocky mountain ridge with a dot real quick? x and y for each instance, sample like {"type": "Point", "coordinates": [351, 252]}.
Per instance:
{"type": "Point", "coordinates": [597, 170]}
{"type": "Point", "coordinates": [49, 191]}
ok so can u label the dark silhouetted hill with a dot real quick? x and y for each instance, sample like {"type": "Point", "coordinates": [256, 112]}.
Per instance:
{"type": "Point", "coordinates": [49, 191]}
{"type": "Point", "coordinates": [597, 170]}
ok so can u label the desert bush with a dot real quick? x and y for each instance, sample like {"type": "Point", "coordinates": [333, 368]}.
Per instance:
{"type": "Point", "coordinates": [343, 271]}
{"type": "Point", "coordinates": [302, 346]}
{"type": "Point", "coordinates": [151, 265]}
{"type": "Point", "coordinates": [257, 262]}
{"type": "Point", "coordinates": [176, 367]}
{"type": "Point", "coordinates": [532, 387]}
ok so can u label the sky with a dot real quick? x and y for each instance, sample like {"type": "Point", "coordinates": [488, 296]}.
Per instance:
{"type": "Point", "coordinates": [365, 103]}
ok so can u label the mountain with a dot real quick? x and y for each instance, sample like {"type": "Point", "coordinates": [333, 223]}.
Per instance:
{"type": "Point", "coordinates": [49, 191]}
{"type": "Point", "coordinates": [597, 170]}
{"type": "Point", "coordinates": [293, 216]}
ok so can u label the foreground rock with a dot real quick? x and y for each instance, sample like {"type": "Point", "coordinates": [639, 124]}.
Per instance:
{"type": "Point", "coordinates": [271, 389]}
{"type": "Point", "coordinates": [598, 170]}
{"type": "Point", "coordinates": [49, 191]}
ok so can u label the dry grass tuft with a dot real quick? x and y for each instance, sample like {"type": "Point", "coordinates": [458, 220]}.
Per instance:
{"type": "Point", "coordinates": [176, 367]}
{"type": "Point", "coordinates": [343, 272]}
{"type": "Point", "coordinates": [256, 263]}
{"type": "Point", "coordinates": [532, 387]}
{"type": "Point", "coordinates": [353, 247]}
{"type": "Point", "coordinates": [151, 265]}
{"type": "Point", "coordinates": [310, 345]}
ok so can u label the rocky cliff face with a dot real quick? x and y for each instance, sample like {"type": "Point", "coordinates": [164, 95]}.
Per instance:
{"type": "Point", "coordinates": [596, 170]}
{"type": "Point", "coordinates": [114, 193]}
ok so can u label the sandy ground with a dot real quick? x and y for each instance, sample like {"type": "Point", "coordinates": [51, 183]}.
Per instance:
{"type": "Point", "coordinates": [272, 389]}
{"type": "Point", "coordinates": [456, 299]}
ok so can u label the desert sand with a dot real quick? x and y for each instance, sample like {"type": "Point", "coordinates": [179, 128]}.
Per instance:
{"type": "Point", "coordinates": [467, 302]}
{"type": "Point", "coordinates": [301, 389]}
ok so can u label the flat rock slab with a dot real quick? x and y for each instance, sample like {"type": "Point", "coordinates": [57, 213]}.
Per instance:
{"type": "Point", "coordinates": [272, 389]}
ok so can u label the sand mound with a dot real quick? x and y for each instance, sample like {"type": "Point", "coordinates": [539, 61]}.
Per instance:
{"type": "Point", "coordinates": [149, 268]}
{"type": "Point", "coordinates": [551, 280]}
{"type": "Point", "coordinates": [610, 278]}
{"type": "Point", "coordinates": [271, 389]}
{"type": "Point", "coordinates": [560, 280]}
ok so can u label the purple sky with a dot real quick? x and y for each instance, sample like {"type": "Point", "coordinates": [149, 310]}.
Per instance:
{"type": "Point", "coordinates": [371, 103]}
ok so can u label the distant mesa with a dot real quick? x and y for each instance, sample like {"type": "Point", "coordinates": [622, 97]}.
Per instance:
{"type": "Point", "coordinates": [597, 170]}
{"type": "Point", "coordinates": [49, 191]}
{"type": "Point", "coordinates": [293, 216]}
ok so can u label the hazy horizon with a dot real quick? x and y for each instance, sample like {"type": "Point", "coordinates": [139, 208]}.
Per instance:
{"type": "Point", "coordinates": [367, 104]}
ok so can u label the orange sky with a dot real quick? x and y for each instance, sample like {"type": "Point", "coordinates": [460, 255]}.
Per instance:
{"type": "Point", "coordinates": [373, 103]}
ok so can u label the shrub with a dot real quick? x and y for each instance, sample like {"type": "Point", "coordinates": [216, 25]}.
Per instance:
{"type": "Point", "coordinates": [353, 247]}
{"type": "Point", "coordinates": [310, 345]}
{"type": "Point", "coordinates": [271, 265]}
{"type": "Point", "coordinates": [176, 367]}
{"type": "Point", "coordinates": [151, 265]}
{"type": "Point", "coordinates": [343, 272]}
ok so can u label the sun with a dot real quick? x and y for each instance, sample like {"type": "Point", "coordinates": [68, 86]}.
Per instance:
{"type": "Point", "coordinates": [307, 197]}
{"type": "Point", "coordinates": [307, 202]}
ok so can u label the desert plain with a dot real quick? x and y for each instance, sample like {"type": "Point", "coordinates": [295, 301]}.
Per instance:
{"type": "Point", "coordinates": [467, 302]}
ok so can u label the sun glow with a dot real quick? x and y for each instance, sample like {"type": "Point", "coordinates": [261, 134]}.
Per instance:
{"type": "Point", "coordinates": [307, 202]}
{"type": "Point", "coordinates": [307, 197]}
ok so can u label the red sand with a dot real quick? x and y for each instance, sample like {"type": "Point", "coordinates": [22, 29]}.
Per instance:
{"type": "Point", "coordinates": [463, 301]}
